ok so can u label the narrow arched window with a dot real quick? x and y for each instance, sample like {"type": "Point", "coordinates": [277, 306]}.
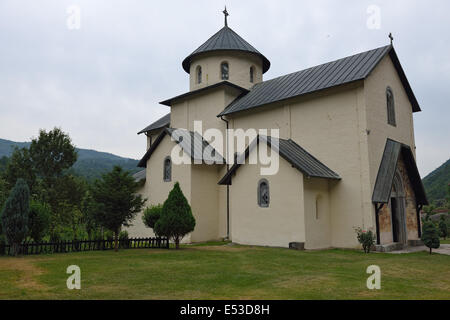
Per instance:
{"type": "Point", "coordinates": [318, 206]}
{"type": "Point", "coordinates": [167, 173]}
{"type": "Point", "coordinates": [252, 74]}
{"type": "Point", "coordinates": [390, 106]}
{"type": "Point", "coordinates": [199, 74]}
{"type": "Point", "coordinates": [263, 193]}
{"type": "Point", "coordinates": [224, 70]}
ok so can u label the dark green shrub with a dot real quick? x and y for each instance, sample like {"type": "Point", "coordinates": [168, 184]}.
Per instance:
{"type": "Point", "coordinates": [430, 235]}
{"type": "Point", "coordinates": [151, 215]}
{"type": "Point", "coordinates": [108, 235]}
{"type": "Point", "coordinates": [15, 215]}
{"type": "Point", "coordinates": [176, 218]}
{"type": "Point", "coordinates": [39, 220]}
{"type": "Point", "coordinates": [2, 244]}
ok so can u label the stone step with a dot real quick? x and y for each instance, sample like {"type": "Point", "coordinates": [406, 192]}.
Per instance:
{"type": "Point", "coordinates": [389, 247]}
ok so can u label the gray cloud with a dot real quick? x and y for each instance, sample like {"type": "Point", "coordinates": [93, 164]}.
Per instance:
{"type": "Point", "coordinates": [102, 83]}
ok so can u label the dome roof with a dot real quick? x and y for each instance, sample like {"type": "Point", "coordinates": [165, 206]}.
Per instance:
{"type": "Point", "coordinates": [225, 39]}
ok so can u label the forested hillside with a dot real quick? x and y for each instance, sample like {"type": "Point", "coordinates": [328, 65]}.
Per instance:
{"type": "Point", "coordinates": [436, 184]}
{"type": "Point", "coordinates": [90, 164]}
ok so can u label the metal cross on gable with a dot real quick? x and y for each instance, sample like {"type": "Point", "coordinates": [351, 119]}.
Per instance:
{"type": "Point", "coordinates": [391, 37]}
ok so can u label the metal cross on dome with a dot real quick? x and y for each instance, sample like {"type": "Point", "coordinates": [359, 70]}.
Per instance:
{"type": "Point", "coordinates": [226, 14]}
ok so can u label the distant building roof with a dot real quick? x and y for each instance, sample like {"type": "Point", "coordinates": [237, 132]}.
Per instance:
{"type": "Point", "coordinates": [298, 157]}
{"type": "Point", "coordinates": [158, 124]}
{"type": "Point", "coordinates": [225, 39]}
{"type": "Point", "coordinates": [191, 142]}
{"type": "Point", "coordinates": [331, 74]}
{"type": "Point", "coordinates": [388, 167]}
{"type": "Point", "coordinates": [140, 175]}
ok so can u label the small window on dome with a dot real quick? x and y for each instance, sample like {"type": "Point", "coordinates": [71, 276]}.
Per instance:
{"type": "Point", "coordinates": [199, 74]}
{"type": "Point", "coordinates": [252, 74]}
{"type": "Point", "coordinates": [224, 69]}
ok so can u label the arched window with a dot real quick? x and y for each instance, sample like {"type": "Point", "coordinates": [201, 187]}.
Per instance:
{"type": "Point", "coordinates": [263, 193]}
{"type": "Point", "coordinates": [167, 173]}
{"type": "Point", "coordinates": [318, 206]}
{"type": "Point", "coordinates": [224, 70]}
{"type": "Point", "coordinates": [390, 106]}
{"type": "Point", "coordinates": [252, 74]}
{"type": "Point", "coordinates": [199, 74]}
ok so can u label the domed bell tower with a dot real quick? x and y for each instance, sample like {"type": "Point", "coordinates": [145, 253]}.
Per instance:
{"type": "Point", "coordinates": [225, 57]}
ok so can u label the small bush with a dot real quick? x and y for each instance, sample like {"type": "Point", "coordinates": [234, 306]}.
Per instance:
{"type": "Point", "coordinates": [443, 228]}
{"type": "Point", "coordinates": [151, 216]}
{"type": "Point", "coordinates": [108, 235]}
{"type": "Point", "coordinates": [123, 235]}
{"type": "Point", "coordinates": [365, 238]}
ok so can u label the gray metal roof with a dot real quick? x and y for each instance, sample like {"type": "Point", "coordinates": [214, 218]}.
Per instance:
{"type": "Point", "coordinates": [388, 167]}
{"type": "Point", "coordinates": [346, 70]}
{"type": "Point", "coordinates": [298, 157]}
{"type": "Point", "coordinates": [225, 39]}
{"type": "Point", "coordinates": [191, 142]}
{"type": "Point", "coordinates": [158, 124]}
{"type": "Point", "coordinates": [302, 159]}
{"type": "Point", "coordinates": [140, 175]}
{"type": "Point", "coordinates": [195, 146]}
{"type": "Point", "coordinates": [170, 101]}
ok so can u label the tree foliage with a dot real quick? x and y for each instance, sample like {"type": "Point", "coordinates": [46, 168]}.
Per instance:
{"type": "Point", "coordinates": [21, 166]}
{"type": "Point", "coordinates": [117, 200]}
{"type": "Point", "coordinates": [15, 215]}
{"type": "Point", "coordinates": [176, 217]}
{"type": "Point", "coordinates": [52, 152]}
{"type": "Point", "coordinates": [39, 220]}
{"type": "Point", "coordinates": [430, 235]}
{"type": "Point", "coordinates": [151, 216]}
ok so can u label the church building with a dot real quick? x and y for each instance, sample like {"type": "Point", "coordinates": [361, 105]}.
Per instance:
{"type": "Point", "coordinates": [345, 141]}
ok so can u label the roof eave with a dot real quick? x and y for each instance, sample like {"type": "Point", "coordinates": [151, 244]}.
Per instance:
{"type": "Point", "coordinates": [170, 101]}
{"type": "Point", "coordinates": [186, 64]}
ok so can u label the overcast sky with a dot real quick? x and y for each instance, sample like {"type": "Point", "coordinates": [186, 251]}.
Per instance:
{"type": "Point", "coordinates": [102, 83]}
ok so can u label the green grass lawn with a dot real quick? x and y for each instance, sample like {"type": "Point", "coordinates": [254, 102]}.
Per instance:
{"type": "Point", "coordinates": [226, 272]}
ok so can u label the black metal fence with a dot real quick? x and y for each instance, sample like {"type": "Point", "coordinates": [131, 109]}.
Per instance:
{"type": "Point", "coordinates": [28, 248]}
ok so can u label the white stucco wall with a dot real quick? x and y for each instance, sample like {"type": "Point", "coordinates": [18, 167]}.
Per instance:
{"type": "Point", "coordinates": [279, 224]}
{"type": "Point", "coordinates": [317, 213]}
{"type": "Point", "coordinates": [331, 126]}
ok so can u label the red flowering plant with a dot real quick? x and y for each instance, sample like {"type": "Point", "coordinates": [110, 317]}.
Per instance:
{"type": "Point", "coordinates": [366, 238]}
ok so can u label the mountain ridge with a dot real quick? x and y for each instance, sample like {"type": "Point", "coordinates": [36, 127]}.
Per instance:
{"type": "Point", "coordinates": [90, 163]}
